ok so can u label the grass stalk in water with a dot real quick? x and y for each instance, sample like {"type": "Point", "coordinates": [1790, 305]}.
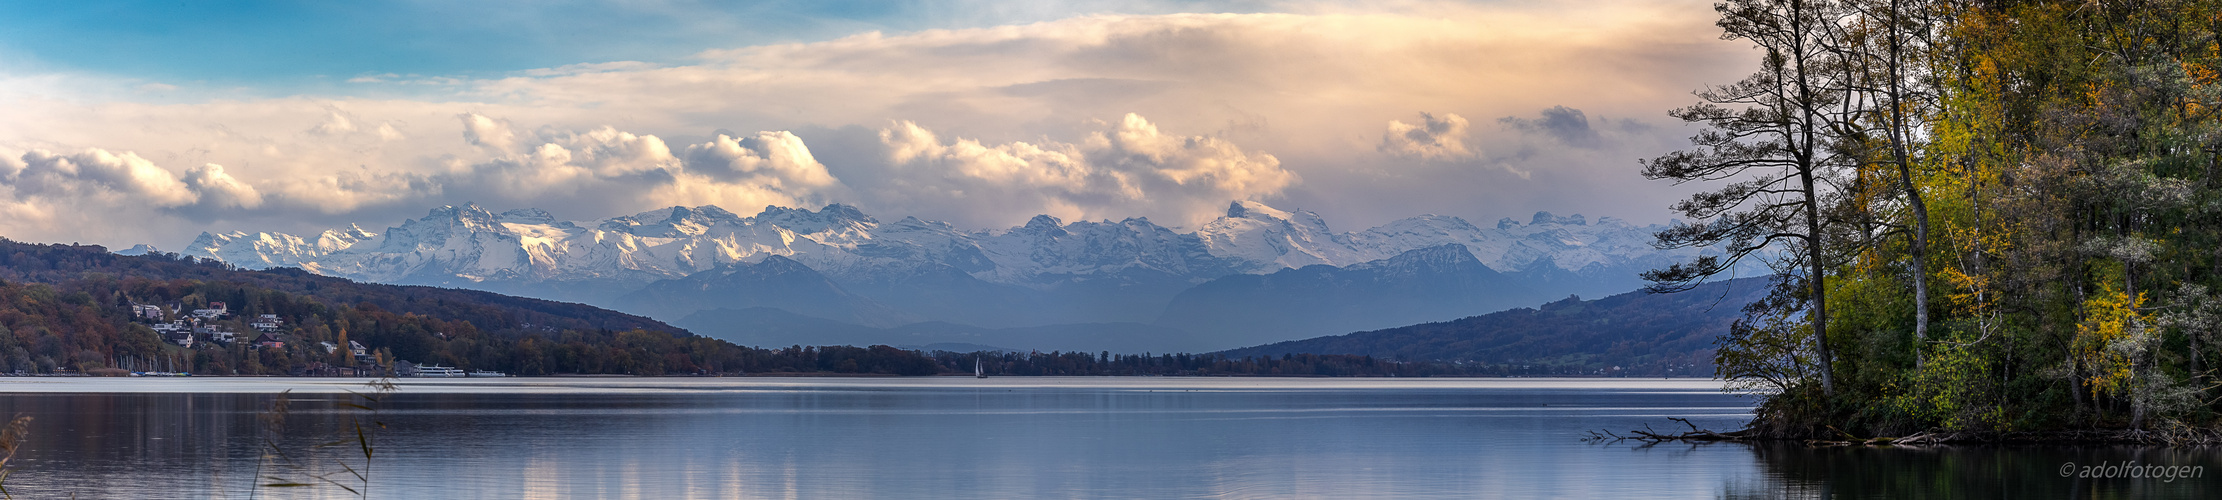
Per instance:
{"type": "Point", "coordinates": [11, 438]}
{"type": "Point", "coordinates": [298, 470]}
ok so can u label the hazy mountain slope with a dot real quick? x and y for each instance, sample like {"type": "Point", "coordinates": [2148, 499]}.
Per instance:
{"type": "Point", "coordinates": [776, 282]}
{"type": "Point", "coordinates": [769, 327]}
{"type": "Point", "coordinates": [1420, 285]}
{"type": "Point", "coordinates": [1639, 332]}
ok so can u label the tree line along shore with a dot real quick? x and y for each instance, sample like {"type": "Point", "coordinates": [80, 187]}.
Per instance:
{"type": "Point", "coordinates": [67, 309]}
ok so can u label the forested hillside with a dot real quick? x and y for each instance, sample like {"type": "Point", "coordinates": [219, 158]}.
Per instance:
{"type": "Point", "coordinates": [1631, 334]}
{"type": "Point", "coordinates": [70, 308]}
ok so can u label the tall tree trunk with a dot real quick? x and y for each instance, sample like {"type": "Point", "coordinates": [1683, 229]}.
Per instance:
{"type": "Point", "coordinates": [1904, 159]}
{"type": "Point", "coordinates": [1807, 151]}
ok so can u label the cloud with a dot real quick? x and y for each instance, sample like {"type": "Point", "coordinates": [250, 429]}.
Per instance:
{"type": "Point", "coordinates": [478, 130]}
{"type": "Point", "coordinates": [1128, 168]}
{"type": "Point", "coordinates": [982, 126]}
{"type": "Point", "coordinates": [1568, 125]}
{"type": "Point", "coordinates": [387, 132]}
{"type": "Point", "coordinates": [335, 123]}
{"type": "Point", "coordinates": [219, 190]}
{"type": "Point", "coordinates": [1433, 138]}
{"type": "Point", "coordinates": [349, 191]}
{"type": "Point", "coordinates": [611, 171]}
{"type": "Point", "coordinates": [97, 172]}
{"type": "Point", "coordinates": [776, 158]}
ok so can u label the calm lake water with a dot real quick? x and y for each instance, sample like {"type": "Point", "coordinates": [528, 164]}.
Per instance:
{"type": "Point", "coordinates": [994, 438]}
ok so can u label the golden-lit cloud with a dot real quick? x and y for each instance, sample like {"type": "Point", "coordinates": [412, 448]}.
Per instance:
{"type": "Point", "coordinates": [1105, 116]}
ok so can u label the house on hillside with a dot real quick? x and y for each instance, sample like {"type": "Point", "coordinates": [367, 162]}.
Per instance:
{"type": "Point", "coordinates": [267, 323]}
{"type": "Point", "coordinates": [269, 341]}
{"type": "Point", "coordinates": [215, 310]}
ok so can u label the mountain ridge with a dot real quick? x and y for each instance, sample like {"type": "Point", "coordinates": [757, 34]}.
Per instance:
{"type": "Point", "coordinates": [471, 243]}
{"type": "Point", "coordinates": [1042, 273]}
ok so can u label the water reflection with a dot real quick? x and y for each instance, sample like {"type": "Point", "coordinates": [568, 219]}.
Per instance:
{"type": "Point", "coordinates": [1796, 471]}
{"type": "Point", "coordinates": [1010, 438]}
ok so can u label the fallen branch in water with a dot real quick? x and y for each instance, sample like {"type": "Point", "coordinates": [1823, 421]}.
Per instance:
{"type": "Point", "coordinates": [2177, 435]}
{"type": "Point", "coordinates": [1649, 436]}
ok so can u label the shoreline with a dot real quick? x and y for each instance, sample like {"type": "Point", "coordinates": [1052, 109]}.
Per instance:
{"type": "Point", "coordinates": [712, 384]}
{"type": "Point", "coordinates": [2187, 437]}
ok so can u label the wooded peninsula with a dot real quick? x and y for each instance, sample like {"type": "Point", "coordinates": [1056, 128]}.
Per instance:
{"type": "Point", "coordinates": [1986, 216]}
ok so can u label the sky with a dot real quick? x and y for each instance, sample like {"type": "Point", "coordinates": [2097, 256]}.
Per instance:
{"type": "Point", "coordinates": [150, 122]}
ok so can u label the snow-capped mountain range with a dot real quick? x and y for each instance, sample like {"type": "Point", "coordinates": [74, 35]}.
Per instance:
{"type": "Point", "coordinates": [459, 244]}
{"type": "Point", "coordinates": [1044, 272]}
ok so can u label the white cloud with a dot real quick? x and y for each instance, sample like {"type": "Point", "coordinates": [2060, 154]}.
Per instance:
{"type": "Point", "coordinates": [219, 190]}
{"type": "Point", "coordinates": [777, 159]}
{"type": "Point", "coordinates": [335, 123]}
{"type": "Point", "coordinates": [990, 125]}
{"type": "Point", "coordinates": [346, 191]}
{"type": "Point", "coordinates": [387, 132]}
{"type": "Point", "coordinates": [1129, 168]}
{"type": "Point", "coordinates": [481, 131]}
{"type": "Point", "coordinates": [1433, 138]}
{"type": "Point", "coordinates": [97, 172]}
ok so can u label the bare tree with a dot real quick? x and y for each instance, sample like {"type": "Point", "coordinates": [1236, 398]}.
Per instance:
{"type": "Point", "coordinates": [1768, 137]}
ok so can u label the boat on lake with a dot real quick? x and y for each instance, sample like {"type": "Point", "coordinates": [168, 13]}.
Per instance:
{"type": "Point", "coordinates": [487, 373]}
{"type": "Point", "coordinates": [437, 371]}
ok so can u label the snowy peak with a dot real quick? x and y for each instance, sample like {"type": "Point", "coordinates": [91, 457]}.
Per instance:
{"type": "Point", "coordinates": [1254, 210]}
{"type": "Point", "coordinates": [833, 217]}
{"type": "Point", "coordinates": [1044, 225]}
{"type": "Point", "coordinates": [265, 250]}
{"type": "Point", "coordinates": [672, 222]}
{"type": "Point", "coordinates": [1046, 250]}
{"type": "Point", "coordinates": [470, 214]}
{"type": "Point", "coordinates": [526, 216]}
{"type": "Point", "coordinates": [440, 225]}
{"type": "Point", "coordinates": [1548, 218]}
{"type": "Point", "coordinates": [1449, 257]}
{"type": "Point", "coordinates": [1269, 239]}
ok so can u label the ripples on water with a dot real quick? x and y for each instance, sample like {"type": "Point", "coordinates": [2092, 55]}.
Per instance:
{"type": "Point", "coordinates": [992, 438]}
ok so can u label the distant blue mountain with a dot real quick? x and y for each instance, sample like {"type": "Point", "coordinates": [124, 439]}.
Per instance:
{"type": "Point", "coordinates": [1636, 333]}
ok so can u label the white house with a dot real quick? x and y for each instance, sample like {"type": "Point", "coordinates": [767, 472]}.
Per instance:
{"type": "Point", "coordinates": [214, 310]}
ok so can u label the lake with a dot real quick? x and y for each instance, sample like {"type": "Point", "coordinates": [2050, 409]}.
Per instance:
{"type": "Point", "coordinates": [1009, 437]}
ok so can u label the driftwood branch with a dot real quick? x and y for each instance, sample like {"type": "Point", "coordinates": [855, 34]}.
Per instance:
{"type": "Point", "coordinates": [2175, 435]}
{"type": "Point", "coordinates": [1650, 436]}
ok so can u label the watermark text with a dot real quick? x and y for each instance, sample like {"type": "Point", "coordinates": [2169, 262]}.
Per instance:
{"type": "Point", "coordinates": [2132, 470]}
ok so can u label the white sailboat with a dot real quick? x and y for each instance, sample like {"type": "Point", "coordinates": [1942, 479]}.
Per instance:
{"type": "Point", "coordinates": [977, 371]}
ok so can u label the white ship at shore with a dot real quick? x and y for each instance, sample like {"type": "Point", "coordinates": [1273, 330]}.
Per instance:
{"type": "Point", "coordinates": [437, 371]}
